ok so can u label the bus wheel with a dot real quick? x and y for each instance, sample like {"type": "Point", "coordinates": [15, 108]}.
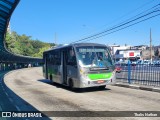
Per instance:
{"type": "Point", "coordinates": [102, 87]}
{"type": "Point", "coordinates": [50, 78]}
{"type": "Point", "coordinates": [71, 84]}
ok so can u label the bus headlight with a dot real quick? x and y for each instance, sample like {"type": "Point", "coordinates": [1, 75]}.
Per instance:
{"type": "Point", "coordinates": [81, 71]}
{"type": "Point", "coordinates": [83, 74]}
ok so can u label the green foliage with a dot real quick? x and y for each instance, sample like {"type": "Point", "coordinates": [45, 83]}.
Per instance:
{"type": "Point", "coordinates": [24, 45]}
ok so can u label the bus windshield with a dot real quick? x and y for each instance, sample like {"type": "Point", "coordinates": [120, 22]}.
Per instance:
{"type": "Point", "coordinates": [94, 56]}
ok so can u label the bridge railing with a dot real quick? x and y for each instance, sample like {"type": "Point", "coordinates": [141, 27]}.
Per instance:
{"type": "Point", "coordinates": [14, 66]}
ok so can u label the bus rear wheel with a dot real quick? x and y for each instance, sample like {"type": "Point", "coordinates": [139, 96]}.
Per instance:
{"type": "Point", "coordinates": [71, 84]}
{"type": "Point", "coordinates": [50, 78]}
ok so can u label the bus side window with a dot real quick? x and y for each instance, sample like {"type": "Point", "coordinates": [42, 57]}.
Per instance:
{"type": "Point", "coordinates": [49, 57]}
{"type": "Point", "coordinates": [71, 57]}
{"type": "Point", "coordinates": [57, 58]}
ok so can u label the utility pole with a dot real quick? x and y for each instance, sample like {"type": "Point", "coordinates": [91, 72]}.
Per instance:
{"type": "Point", "coordinates": [150, 45]}
{"type": "Point", "coordinates": [55, 38]}
{"type": "Point", "coordinates": [9, 28]}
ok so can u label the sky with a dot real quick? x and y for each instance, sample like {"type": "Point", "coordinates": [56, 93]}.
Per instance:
{"type": "Point", "coordinates": [66, 21]}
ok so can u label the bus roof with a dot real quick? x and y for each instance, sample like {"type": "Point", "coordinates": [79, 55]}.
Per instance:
{"type": "Point", "coordinates": [77, 45]}
{"type": "Point", "coordinates": [88, 44]}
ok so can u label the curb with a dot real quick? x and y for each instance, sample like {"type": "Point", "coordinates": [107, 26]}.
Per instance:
{"type": "Point", "coordinates": [132, 86]}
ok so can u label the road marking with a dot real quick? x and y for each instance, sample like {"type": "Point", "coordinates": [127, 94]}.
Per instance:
{"type": "Point", "coordinates": [3, 88]}
{"type": "Point", "coordinates": [17, 108]}
{"type": "Point", "coordinates": [7, 94]}
{"type": "Point", "coordinates": [10, 100]}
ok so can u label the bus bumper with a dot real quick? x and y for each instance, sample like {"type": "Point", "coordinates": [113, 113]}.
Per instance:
{"type": "Point", "coordinates": [89, 83]}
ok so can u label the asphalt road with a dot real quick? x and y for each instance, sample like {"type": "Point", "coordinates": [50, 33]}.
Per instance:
{"type": "Point", "coordinates": [30, 91]}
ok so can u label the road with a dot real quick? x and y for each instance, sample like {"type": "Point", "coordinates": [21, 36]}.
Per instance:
{"type": "Point", "coordinates": [30, 91]}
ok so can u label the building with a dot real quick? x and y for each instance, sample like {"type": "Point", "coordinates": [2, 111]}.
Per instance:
{"type": "Point", "coordinates": [140, 47]}
{"type": "Point", "coordinates": [114, 48]}
{"type": "Point", "coordinates": [132, 54]}
{"type": "Point", "coordinates": [146, 54]}
{"type": "Point", "coordinates": [157, 51]}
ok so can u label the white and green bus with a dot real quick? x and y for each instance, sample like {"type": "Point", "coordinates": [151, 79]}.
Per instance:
{"type": "Point", "coordinates": [79, 65]}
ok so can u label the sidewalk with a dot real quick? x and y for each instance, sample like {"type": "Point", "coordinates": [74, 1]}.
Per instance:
{"type": "Point", "coordinates": [140, 87]}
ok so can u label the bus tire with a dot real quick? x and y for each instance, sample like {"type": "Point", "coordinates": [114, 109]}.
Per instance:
{"type": "Point", "coordinates": [50, 78]}
{"type": "Point", "coordinates": [71, 84]}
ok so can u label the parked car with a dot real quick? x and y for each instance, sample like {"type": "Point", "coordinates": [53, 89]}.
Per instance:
{"type": "Point", "coordinates": [133, 63]}
{"type": "Point", "coordinates": [139, 62]}
{"type": "Point", "coordinates": [146, 62]}
{"type": "Point", "coordinates": [156, 63]}
{"type": "Point", "coordinates": [118, 68]}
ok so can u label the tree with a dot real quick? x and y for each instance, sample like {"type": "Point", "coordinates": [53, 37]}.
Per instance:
{"type": "Point", "coordinates": [24, 45]}
{"type": "Point", "coordinates": [41, 50]}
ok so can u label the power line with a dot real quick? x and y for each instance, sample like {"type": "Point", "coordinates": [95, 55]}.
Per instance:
{"type": "Point", "coordinates": [124, 27]}
{"type": "Point", "coordinates": [103, 33]}
{"type": "Point", "coordinates": [139, 14]}
{"type": "Point", "coordinates": [115, 27]}
{"type": "Point", "coordinates": [131, 12]}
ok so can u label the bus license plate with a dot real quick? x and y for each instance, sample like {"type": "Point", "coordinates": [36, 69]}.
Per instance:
{"type": "Point", "coordinates": [100, 81]}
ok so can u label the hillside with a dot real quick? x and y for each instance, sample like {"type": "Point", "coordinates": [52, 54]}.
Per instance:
{"type": "Point", "coordinates": [25, 45]}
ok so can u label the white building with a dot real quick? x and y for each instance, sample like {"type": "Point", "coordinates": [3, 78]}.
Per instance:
{"type": "Point", "coordinates": [140, 47]}
{"type": "Point", "coordinates": [132, 54]}
{"type": "Point", "coordinates": [114, 48]}
{"type": "Point", "coordinates": [126, 52]}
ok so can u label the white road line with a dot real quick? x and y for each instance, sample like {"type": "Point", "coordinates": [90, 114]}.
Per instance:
{"type": "Point", "coordinates": [3, 88]}
{"type": "Point", "coordinates": [10, 100]}
{"type": "Point", "coordinates": [6, 94]}
{"type": "Point", "coordinates": [17, 108]}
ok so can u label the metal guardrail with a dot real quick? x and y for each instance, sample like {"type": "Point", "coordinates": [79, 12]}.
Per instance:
{"type": "Point", "coordinates": [13, 66]}
{"type": "Point", "coordinates": [142, 74]}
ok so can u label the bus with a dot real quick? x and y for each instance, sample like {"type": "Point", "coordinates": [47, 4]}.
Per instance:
{"type": "Point", "coordinates": [79, 65]}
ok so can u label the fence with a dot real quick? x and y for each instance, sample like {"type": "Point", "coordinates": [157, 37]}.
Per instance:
{"type": "Point", "coordinates": [143, 74]}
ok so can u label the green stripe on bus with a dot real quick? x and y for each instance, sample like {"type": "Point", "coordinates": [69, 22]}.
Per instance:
{"type": "Point", "coordinates": [100, 76]}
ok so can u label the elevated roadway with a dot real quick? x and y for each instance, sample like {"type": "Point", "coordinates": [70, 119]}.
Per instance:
{"type": "Point", "coordinates": [10, 60]}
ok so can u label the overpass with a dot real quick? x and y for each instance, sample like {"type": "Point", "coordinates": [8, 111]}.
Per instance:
{"type": "Point", "coordinates": [10, 60]}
